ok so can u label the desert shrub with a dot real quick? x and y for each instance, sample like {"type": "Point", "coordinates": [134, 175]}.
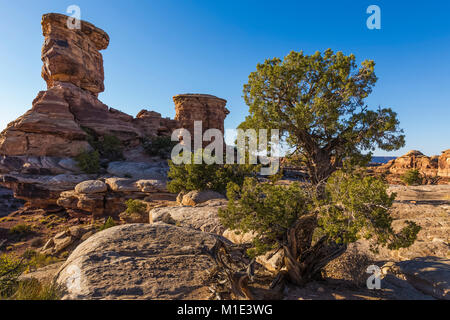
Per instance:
{"type": "Point", "coordinates": [35, 260]}
{"type": "Point", "coordinates": [136, 212]}
{"type": "Point", "coordinates": [21, 229]}
{"type": "Point", "coordinates": [412, 177]}
{"type": "Point", "coordinates": [10, 270]}
{"type": "Point", "coordinates": [159, 146]}
{"type": "Point", "coordinates": [33, 289]}
{"type": "Point", "coordinates": [89, 161]}
{"type": "Point", "coordinates": [311, 227]}
{"type": "Point", "coordinates": [135, 206]}
{"type": "Point", "coordinates": [189, 177]}
{"type": "Point", "coordinates": [108, 146]}
{"type": "Point", "coordinates": [109, 223]}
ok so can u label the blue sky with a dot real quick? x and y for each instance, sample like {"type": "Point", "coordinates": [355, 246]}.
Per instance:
{"type": "Point", "coordinates": [162, 48]}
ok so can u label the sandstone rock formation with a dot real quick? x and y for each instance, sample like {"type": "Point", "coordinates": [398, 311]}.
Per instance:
{"type": "Point", "coordinates": [68, 239]}
{"type": "Point", "coordinates": [73, 69]}
{"type": "Point", "coordinates": [140, 261]}
{"type": "Point", "coordinates": [37, 149]}
{"type": "Point", "coordinates": [444, 164]}
{"type": "Point", "coordinates": [435, 167]}
{"type": "Point", "coordinates": [208, 109]}
{"type": "Point", "coordinates": [72, 55]}
{"type": "Point", "coordinates": [107, 198]}
{"type": "Point", "coordinates": [413, 160]}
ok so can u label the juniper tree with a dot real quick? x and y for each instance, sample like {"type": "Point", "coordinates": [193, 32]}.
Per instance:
{"type": "Point", "coordinates": [311, 230]}
{"type": "Point", "coordinates": [318, 104]}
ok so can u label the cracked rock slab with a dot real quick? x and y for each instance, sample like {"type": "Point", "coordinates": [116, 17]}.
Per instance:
{"type": "Point", "coordinates": [140, 261]}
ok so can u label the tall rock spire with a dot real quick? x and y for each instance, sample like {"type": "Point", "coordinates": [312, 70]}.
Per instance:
{"type": "Point", "coordinates": [73, 55]}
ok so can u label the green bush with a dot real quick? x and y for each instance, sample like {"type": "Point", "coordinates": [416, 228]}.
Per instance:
{"type": "Point", "coordinates": [108, 146]}
{"type": "Point", "coordinates": [10, 270]}
{"type": "Point", "coordinates": [108, 224]}
{"type": "Point", "coordinates": [159, 146]}
{"type": "Point", "coordinates": [135, 206]}
{"type": "Point", "coordinates": [31, 289]}
{"type": "Point", "coordinates": [412, 177]}
{"type": "Point", "coordinates": [89, 161]}
{"type": "Point", "coordinates": [189, 177]}
{"type": "Point", "coordinates": [311, 227]}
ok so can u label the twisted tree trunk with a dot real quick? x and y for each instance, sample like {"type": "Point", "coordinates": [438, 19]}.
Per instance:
{"type": "Point", "coordinates": [304, 261]}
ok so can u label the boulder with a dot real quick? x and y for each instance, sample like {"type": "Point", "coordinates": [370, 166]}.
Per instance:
{"type": "Point", "coordinates": [67, 240]}
{"type": "Point", "coordinates": [140, 261]}
{"type": "Point", "coordinates": [132, 185]}
{"type": "Point", "coordinates": [203, 217]}
{"type": "Point", "coordinates": [238, 237]}
{"type": "Point", "coordinates": [91, 186]}
{"type": "Point", "coordinates": [194, 198]}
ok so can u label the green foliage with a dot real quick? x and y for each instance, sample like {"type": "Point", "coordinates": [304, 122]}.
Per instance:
{"type": "Point", "coordinates": [266, 209]}
{"type": "Point", "coordinates": [108, 224]}
{"type": "Point", "coordinates": [89, 162]}
{"type": "Point", "coordinates": [107, 146]}
{"type": "Point", "coordinates": [33, 289]}
{"type": "Point", "coordinates": [189, 177]}
{"type": "Point", "coordinates": [159, 146]}
{"type": "Point", "coordinates": [21, 229]}
{"type": "Point", "coordinates": [357, 207]}
{"type": "Point", "coordinates": [36, 260]}
{"type": "Point", "coordinates": [10, 270]}
{"type": "Point", "coordinates": [412, 177]}
{"type": "Point", "coordinates": [110, 147]}
{"type": "Point", "coordinates": [318, 104]}
{"type": "Point", "coordinates": [135, 206]}
{"type": "Point", "coordinates": [352, 207]}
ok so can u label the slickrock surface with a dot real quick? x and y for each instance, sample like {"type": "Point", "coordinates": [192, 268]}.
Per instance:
{"type": "Point", "coordinates": [428, 275]}
{"type": "Point", "coordinates": [140, 261]}
{"type": "Point", "coordinates": [202, 217]}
